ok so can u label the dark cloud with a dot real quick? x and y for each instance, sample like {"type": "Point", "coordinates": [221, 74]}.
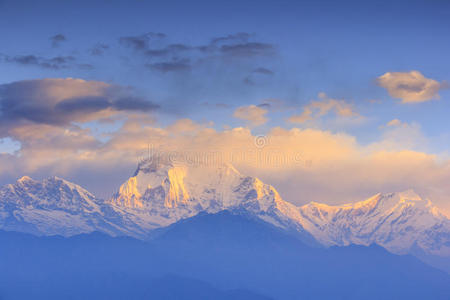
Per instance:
{"type": "Point", "coordinates": [144, 45]}
{"type": "Point", "coordinates": [98, 49]}
{"type": "Point", "coordinates": [248, 81]}
{"type": "Point", "coordinates": [55, 63]}
{"type": "Point", "coordinates": [15, 108]}
{"type": "Point", "coordinates": [86, 66]}
{"type": "Point", "coordinates": [172, 66]}
{"type": "Point", "coordinates": [52, 63]}
{"type": "Point", "coordinates": [275, 105]}
{"type": "Point", "coordinates": [57, 40]}
{"type": "Point", "coordinates": [248, 49]}
{"type": "Point", "coordinates": [238, 37]}
{"type": "Point", "coordinates": [83, 104]}
{"type": "Point", "coordinates": [172, 49]}
{"type": "Point", "coordinates": [263, 71]}
{"type": "Point", "coordinates": [98, 103]}
{"type": "Point", "coordinates": [63, 101]}
{"type": "Point", "coordinates": [134, 103]}
{"type": "Point", "coordinates": [158, 55]}
{"type": "Point", "coordinates": [264, 105]}
{"type": "Point", "coordinates": [141, 42]}
{"type": "Point", "coordinates": [216, 105]}
{"type": "Point", "coordinates": [239, 44]}
{"type": "Point", "coordinates": [255, 76]}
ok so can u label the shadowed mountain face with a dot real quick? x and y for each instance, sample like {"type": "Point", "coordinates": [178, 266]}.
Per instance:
{"type": "Point", "coordinates": [224, 253]}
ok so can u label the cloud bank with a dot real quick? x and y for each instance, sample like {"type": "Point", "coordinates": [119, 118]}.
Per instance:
{"type": "Point", "coordinates": [303, 164]}
{"type": "Point", "coordinates": [48, 118]}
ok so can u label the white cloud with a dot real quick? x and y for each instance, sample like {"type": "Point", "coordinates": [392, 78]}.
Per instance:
{"type": "Point", "coordinates": [411, 87]}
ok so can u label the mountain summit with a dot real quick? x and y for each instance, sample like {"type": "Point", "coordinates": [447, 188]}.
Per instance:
{"type": "Point", "coordinates": [53, 206]}
{"type": "Point", "coordinates": [397, 221]}
{"type": "Point", "coordinates": [161, 193]}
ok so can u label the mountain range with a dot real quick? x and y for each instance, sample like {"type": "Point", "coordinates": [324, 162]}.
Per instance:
{"type": "Point", "coordinates": [226, 255]}
{"type": "Point", "coordinates": [161, 193]}
{"type": "Point", "coordinates": [209, 232]}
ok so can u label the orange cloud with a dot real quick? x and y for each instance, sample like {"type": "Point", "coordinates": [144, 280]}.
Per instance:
{"type": "Point", "coordinates": [254, 114]}
{"type": "Point", "coordinates": [319, 108]}
{"type": "Point", "coordinates": [303, 164]}
{"type": "Point", "coordinates": [394, 123]}
{"type": "Point", "coordinates": [411, 87]}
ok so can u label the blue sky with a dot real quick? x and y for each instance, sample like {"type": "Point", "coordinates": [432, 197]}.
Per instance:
{"type": "Point", "coordinates": [293, 51]}
{"type": "Point", "coordinates": [338, 47]}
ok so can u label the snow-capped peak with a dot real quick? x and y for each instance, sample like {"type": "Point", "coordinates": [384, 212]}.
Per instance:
{"type": "Point", "coordinates": [175, 184]}
{"type": "Point", "coordinates": [25, 179]}
{"type": "Point", "coordinates": [410, 195]}
{"type": "Point", "coordinates": [161, 193]}
{"type": "Point", "coordinates": [51, 206]}
{"type": "Point", "coordinates": [397, 221]}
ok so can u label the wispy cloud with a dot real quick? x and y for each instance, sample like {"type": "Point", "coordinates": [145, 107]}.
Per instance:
{"type": "Point", "coordinates": [256, 75]}
{"type": "Point", "coordinates": [323, 106]}
{"type": "Point", "coordinates": [394, 123]}
{"type": "Point", "coordinates": [99, 49]}
{"type": "Point", "coordinates": [264, 71]}
{"type": "Point", "coordinates": [55, 63]}
{"type": "Point", "coordinates": [141, 42]}
{"type": "Point", "coordinates": [256, 115]}
{"type": "Point", "coordinates": [171, 66]}
{"type": "Point", "coordinates": [161, 55]}
{"type": "Point", "coordinates": [57, 40]}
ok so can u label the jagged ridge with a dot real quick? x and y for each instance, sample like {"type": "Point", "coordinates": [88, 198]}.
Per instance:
{"type": "Point", "coordinates": [161, 193]}
{"type": "Point", "coordinates": [397, 221]}
{"type": "Point", "coordinates": [53, 207]}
